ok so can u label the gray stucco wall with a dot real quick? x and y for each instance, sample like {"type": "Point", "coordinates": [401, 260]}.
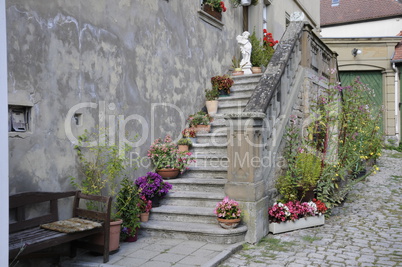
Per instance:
{"type": "Point", "coordinates": [122, 56]}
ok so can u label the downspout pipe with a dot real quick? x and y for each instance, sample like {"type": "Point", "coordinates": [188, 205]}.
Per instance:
{"type": "Point", "coordinates": [396, 100]}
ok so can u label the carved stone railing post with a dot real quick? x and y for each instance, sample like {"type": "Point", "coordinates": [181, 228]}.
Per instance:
{"type": "Point", "coordinates": [246, 183]}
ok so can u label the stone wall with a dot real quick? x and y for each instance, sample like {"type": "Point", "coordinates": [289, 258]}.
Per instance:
{"type": "Point", "coordinates": [135, 67]}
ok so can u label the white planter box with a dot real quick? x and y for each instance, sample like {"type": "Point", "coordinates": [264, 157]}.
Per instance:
{"type": "Point", "coordinates": [287, 226]}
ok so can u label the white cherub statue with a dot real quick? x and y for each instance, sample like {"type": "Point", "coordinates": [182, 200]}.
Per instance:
{"type": "Point", "coordinates": [245, 48]}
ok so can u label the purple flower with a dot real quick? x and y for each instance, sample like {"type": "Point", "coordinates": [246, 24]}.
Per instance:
{"type": "Point", "coordinates": [152, 185]}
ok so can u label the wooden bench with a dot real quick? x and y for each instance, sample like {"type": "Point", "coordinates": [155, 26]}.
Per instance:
{"type": "Point", "coordinates": [26, 236]}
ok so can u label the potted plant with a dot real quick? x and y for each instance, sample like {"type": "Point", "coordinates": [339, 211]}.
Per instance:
{"type": "Point", "coordinates": [222, 83]}
{"type": "Point", "coordinates": [214, 8]}
{"type": "Point", "coordinates": [237, 69]}
{"type": "Point", "coordinates": [236, 3]}
{"type": "Point", "coordinates": [184, 144]}
{"type": "Point", "coordinates": [127, 205]}
{"type": "Point", "coordinates": [145, 206]}
{"type": "Point", "coordinates": [211, 102]}
{"type": "Point", "coordinates": [228, 213]}
{"type": "Point", "coordinates": [293, 215]}
{"type": "Point", "coordinates": [100, 168]}
{"type": "Point", "coordinates": [190, 133]}
{"type": "Point", "coordinates": [261, 52]}
{"type": "Point", "coordinates": [200, 121]}
{"type": "Point", "coordinates": [153, 187]}
{"type": "Point", "coordinates": [167, 159]}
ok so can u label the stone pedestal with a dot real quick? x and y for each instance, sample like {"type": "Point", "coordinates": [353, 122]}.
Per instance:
{"type": "Point", "coordinates": [245, 180]}
{"type": "Point", "coordinates": [247, 69]}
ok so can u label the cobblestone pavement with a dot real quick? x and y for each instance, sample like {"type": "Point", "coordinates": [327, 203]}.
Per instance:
{"type": "Point", "coordinates": [365, 231]}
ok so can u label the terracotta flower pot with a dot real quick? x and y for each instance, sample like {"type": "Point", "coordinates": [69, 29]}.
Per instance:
{"type": "Point", "coordinates": [114, 236]}
{"type": "Point", "coordinates": [183, 148]}
{"type": "Point", "coordinates": [144, 216]}
{"type": "Point", "coordinates": [237, 72]}
{"type": "Point", "coordinates": [229, 223]}
{"type": "Point", "coordinates": [256, 70]}
{"type": "Point", "coordinates": [203, 129]}
{"type": "Point", "coordinates": [168, 173]}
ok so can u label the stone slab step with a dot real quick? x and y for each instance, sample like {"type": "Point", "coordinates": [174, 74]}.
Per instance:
{"type": "Point", "coordinates": [205, 232]}
{"type": "Point", "coordinates": [198, 185]}
{"type": "Point", "coordinates": [210, 160]}
{"type": "Point", "coordinates": [237, 108]}
{"type": "Point", "coordinates": [209, 148]}
{"type": "Point", "coordinates": [193, 198]}
{"type": "Point", "coordinates": [183, 214]}
{"type": "Point", "coordinates": [252, 78]}
{"type": "Point", "coordinates": [205, 172]}
{"type": "Point", "coordinates": [213, 138]}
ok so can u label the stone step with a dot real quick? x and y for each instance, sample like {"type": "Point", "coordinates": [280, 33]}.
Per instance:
{"type": "Point", "coordinates": [209, 148]}
{"type": "Point", "coordinates": [231, 107]}
{"type": "Point", "coordinates": [192, 198]}
{"type": "Point", "coordinates": [198, 185]}
{"type": "Point", "coordinates": [205, 172]}
{"type": "Point", "coordinates": [246, 79]}
{"type": "Point", "coordinates": [213, 138]}
{"type": "Point", "coordinates": [233, 99]}
{"type": "Point", "coordinates": [206, 232]}
{"type": "Point", "coordinates": [183, 214]}
{"type": "Point", "coordinates": [210, 160]}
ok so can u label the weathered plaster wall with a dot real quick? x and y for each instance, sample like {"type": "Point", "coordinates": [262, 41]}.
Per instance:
{"type": "Point", "coordinates": [124, 57]}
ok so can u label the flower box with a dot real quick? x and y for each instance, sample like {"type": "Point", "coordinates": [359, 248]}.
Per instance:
{"type": "Point", "coordinates": [287, 226]}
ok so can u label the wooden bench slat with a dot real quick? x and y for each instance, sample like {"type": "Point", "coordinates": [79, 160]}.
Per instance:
{"type": "Point", "coordinates": [37, 238]}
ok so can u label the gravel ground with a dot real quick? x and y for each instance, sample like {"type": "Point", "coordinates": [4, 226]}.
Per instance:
{"type": "Point", "coordinates": [365, 231]}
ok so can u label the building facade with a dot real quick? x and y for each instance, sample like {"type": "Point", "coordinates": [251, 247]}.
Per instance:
{"type": "Point", "coordinates": [365, 35]}
{"type": "Point", "coordinates": [137, 69]}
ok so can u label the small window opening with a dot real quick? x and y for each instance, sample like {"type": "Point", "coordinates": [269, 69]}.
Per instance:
{"type": "Point", "coordinates": [18, 118]}
{"type": "Point", "coordinates": [335, 2]}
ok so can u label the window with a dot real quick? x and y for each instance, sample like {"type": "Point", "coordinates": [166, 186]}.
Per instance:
{"type": "Point", "coordinates": [335, 2]}
{"type": "Point", "coordinates": [287, 19]}
{"type": "Point", "coordinates": [18, 118]}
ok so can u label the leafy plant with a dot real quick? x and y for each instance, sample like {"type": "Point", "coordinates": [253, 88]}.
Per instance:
{"type": "Point", "coordinates": [145, 205]}
{"type": "Point", "coordinates": [308, 168]}
{"type": "Point", "coordinates": [258, 57]}
{"type": "Point", "coordinates": [199, 118]}
{"type": "Point", "coordinates": [188, 132]}
{"type": "Point", "coordinates": [100, 166]}
{"type": "Point", "coordinates": [227, 209]}
{"type": "Point", "coordinates": [236, 63]}
{"type": "Point", "coordinates": [185, 141]}
{"type": "Point", "coordinates": [222, 83]}
{"type": "Point", "coordinates": [211, 94]}
{"type": "Point", "coordinates": [164, 154]}
{"type": "Point", "coordinates": [262, 51]}
{"type": "Point", "coordinates": [216, 5]}
{"type": "Point", "coordinates": [152, 185]}
{"type": "Point", "coordinates": [127, 205]}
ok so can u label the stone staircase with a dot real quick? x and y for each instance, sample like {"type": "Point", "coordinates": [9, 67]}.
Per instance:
{"type": "Point", "coordinates": [187, 211]}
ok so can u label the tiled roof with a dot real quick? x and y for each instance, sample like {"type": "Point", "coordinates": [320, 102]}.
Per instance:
{"type": "Point", "coordinates": [358, 10]}
{"type": "Point", "coordinates": [398, 50]}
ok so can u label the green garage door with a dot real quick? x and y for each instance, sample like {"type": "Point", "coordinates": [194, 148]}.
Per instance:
{"type": "Point", "coordinates": [372, 78]}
